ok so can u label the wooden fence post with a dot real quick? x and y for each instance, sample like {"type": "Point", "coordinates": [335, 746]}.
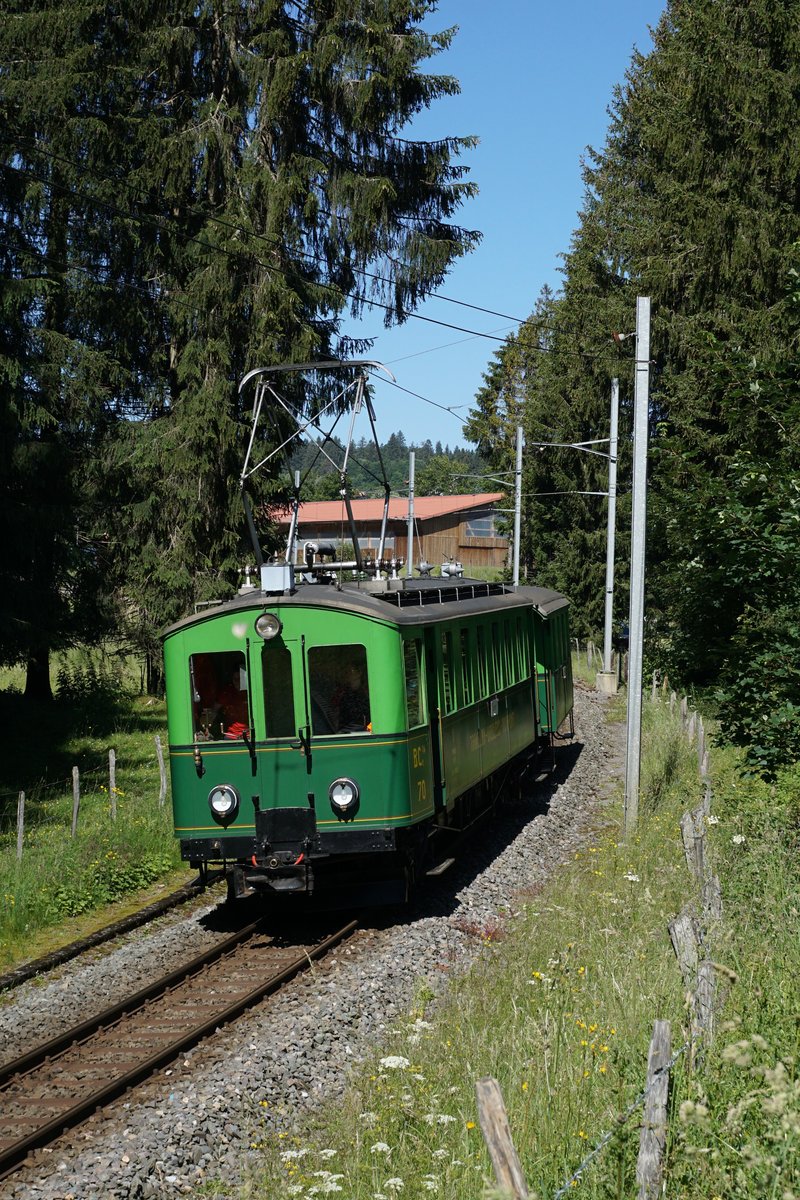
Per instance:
{"type": "Point", "coordinates": [654, 692]}
{"type": "Point", "coordinates": [20, 824]}
{"type": "Point", "coordinates": [654, 1121]}
{"type": "Point", "coordinates": [497, 1135]}
{"type": "Point", "coordinates": [112, 782]}
{"type": "Point", "coordinates": [693, 835]}
{"type": "Point", "coordinates": [701, 745]}
{"type": "Point", "coordinates": [703, 1025]}
{"type": "Point", "coordinates": [162, 789]}
{"type": "Point", "coordinates": [673, 700]}
{"type": "Point", "coordinates": [711, 899]}
{"type": "Point", "coordinates": [684, 932]}
{"type": "Point", "coordinates": [76, 799]}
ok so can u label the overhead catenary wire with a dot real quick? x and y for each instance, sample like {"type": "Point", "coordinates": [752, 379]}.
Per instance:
{"type": "Point", "coordinates": [262, 237]}
{"type": "Point", "coordinates": [164, 221]}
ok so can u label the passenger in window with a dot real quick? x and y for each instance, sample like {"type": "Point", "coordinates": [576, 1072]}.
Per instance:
{"type": "Point", "coordinates": [352, 702]}
{"type": "Point", "coordinates": [232, 701]}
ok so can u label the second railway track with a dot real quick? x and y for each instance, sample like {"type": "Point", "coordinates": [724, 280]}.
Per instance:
{"type": "Point", "coordinates": [60, 1083]}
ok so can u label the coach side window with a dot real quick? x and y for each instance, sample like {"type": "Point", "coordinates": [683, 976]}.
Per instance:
{"type": "Point", "coordinates": [219, 695]}
{"type": "Point", "coordinates": [276, 668]}
{"type": "Point", "coordinates": [411, 655]}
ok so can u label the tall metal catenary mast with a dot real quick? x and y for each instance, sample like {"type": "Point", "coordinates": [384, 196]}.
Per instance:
{"type": "Point", "coordinates": [607, 679]}
{"type": "Point", "coordinates": [410, 538]}
{"type": "Point", "coordinates": [638, 529]}
{"type": "Point", "coordinates": [517, 504]}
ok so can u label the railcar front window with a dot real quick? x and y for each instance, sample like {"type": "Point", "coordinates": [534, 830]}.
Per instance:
{"type": "Point", "coordinates": [276, 668]}
{"type": "Point", "coordinates": [219, 695]}
{"type": "Point", "coordinates": [339, 690]}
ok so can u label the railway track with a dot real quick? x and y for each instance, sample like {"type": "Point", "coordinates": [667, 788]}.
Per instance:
{"type": "Point", "coordinates": [62, 1082]}
{"type": "Point", "coordinates": [150, 912]}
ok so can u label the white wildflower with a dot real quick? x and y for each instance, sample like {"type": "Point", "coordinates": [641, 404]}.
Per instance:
{"type": "Point", "coordinates": [431, 1185]}
{"type": "Point", "coordinates": [738, 839]}
{"type": "Point", "coordinates": [395, 1184]}
{"type": "Point", "coordinates": [288, 1155]}
{"type": "Point", "coordinates": [441, 1153]}
{"type": "Point", "coordinates": [632, 876]}
{"type": "Point", "coordinates": [380, 1148]}
{"type": "Point", "coordinates": [439, 1119]}
{"type": "Point", "coordinates": [419, 1078]}
{"type": "Point", "coordinates": [368, 1118]}
{"type": "Point", "coordinates": [712, 820]}
{"type": "Point", "coordinates": [395, 1062]}
{"type": "Point", "coordinates": [326, 1153]}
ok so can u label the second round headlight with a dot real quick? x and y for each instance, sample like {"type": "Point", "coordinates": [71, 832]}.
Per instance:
{"type": "Point", "coordinates": [343, 794]}
{"type": "Point", "coordinates": [223, 801]}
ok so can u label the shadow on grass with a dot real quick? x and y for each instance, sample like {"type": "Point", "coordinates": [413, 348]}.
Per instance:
{"type": "Point", "coordinates": [43, 742]}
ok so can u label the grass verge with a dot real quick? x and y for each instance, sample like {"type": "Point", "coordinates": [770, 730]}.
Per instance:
{"type": "Point", "coordinates": [61, 878]}
{"type": "Point", "coordinates": [560, 1010]}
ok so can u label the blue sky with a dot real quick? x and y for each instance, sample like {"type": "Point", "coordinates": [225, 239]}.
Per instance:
{"type": "Point", "coordinates": [536, 80]}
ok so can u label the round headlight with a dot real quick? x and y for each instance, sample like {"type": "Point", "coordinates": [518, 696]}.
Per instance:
{"type": "Point", "coordinates": [223, 801]}
{"type": "Point", "coordinates": [268, 626]}
{"type": "Point", "coordinates": [343, 795]}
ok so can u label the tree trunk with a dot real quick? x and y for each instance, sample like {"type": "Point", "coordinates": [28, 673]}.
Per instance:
{"type": "Point", "coordinates": [37, 678]}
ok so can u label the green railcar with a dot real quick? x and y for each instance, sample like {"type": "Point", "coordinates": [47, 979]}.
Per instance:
{"type": "Point", "coordinates": [322, 735]}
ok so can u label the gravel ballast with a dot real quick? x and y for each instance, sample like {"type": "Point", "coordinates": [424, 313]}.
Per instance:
{"type": "Point", "coordinates": [197, 1119]}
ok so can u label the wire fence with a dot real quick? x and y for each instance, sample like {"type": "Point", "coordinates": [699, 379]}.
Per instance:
{"type": "Point", "coordinates": [60, 802]}
{"type": "Point", "coordinates": [691, 933]}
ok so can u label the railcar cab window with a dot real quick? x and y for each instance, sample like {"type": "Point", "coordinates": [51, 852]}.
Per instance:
{"type": "Point", "coordinates": [219, 696]}
{"type": "Point", "coordinates": [276, 669]}
{"type": "Point", "coordinates": [339, 690]}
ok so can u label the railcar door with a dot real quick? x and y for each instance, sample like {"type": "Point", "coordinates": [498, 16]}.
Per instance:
{"type": "Point", "coordinates": [435, 715]}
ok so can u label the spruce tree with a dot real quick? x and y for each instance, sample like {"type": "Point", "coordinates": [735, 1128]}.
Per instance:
{"type": "Point", "coordinates": [693, 201]}
{"type": "Point", "coordinates": [238, 179]}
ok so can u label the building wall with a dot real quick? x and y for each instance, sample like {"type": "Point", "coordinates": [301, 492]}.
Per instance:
{"type": "Point", "coordinates": [438, 539]}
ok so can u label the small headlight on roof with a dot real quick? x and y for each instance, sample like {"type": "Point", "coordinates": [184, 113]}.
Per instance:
{"type": "Point", "coordinates": [343, 794]}
{"type": "Point", "coordinates": [223, 800]}
{"type": "Point", "coordinates": [268, 626]}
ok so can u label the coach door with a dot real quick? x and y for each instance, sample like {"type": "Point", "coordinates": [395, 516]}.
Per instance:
{"type": "Point", "coordinates": [435, 715]}
{"type": "Point", "coordinates": [282, 768]}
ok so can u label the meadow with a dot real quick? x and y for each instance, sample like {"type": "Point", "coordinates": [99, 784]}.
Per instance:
{"type": "Point", "coordinates": [575, 983]}
{"type": "Point", "coordinates": [61, 886]}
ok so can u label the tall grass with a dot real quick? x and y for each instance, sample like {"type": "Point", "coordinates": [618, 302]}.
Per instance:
{"type": "Point", "coordinates": [560, 1010]}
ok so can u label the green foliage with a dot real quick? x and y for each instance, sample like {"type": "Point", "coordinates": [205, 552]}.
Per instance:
{"type": "Point", "coordinates": [691, 201]}
{"type": "Point", "coordinates": [438, 470]}
{"type": "Point", "coordinates": [188, 192]}
{"type": "Point", "coordinates": [737, 1126]}
{"type": "Point", "coordinates": [89, 684]}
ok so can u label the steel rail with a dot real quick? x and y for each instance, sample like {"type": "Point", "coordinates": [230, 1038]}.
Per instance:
{"type": "Point", "coordinates": [56, 958]}
{"type": "Point", "coordinates": [25, 1067]}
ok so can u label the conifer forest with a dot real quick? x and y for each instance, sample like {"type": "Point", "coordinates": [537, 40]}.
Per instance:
{"type": "Point", "coordinates": [192, 190]}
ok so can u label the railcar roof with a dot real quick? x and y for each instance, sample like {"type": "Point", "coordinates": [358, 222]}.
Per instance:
{"type": "Point", "coordinates": [396, 601]}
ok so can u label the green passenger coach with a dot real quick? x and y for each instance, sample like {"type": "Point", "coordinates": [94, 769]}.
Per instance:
{"type": "Point", "coordinates": [326, 735]}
